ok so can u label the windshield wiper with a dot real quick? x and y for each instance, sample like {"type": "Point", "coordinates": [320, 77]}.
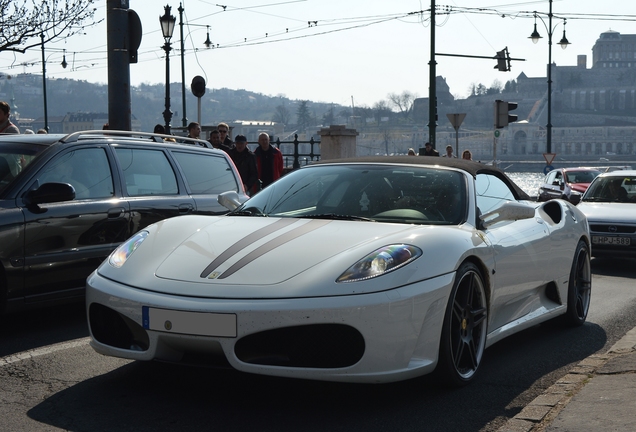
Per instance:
{"type": "Point", "coordinates": [597, 199]}
{"type": "Point", "coordinates": [245, 213]}
{"type": "Point", "coordinates": [336, 217]}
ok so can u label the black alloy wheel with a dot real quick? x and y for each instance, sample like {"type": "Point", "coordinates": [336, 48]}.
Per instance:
{"type": "Point", "coordinates": [579, 286]}
{"type": "Point", "coordinates": [465, 327]}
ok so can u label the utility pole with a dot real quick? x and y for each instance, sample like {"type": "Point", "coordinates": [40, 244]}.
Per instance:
{"type": "Point", "coordinates": [119, 104]}
{"type": "Point", "coordinates": [184, 119]}
{"type": "Point", "coordinates": [432, 90]}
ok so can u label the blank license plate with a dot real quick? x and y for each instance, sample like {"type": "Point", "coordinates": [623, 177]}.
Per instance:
{"type": "Point", "coordinates": [191, 323]}
{"type": "Point", "coordinates": [620, 241]}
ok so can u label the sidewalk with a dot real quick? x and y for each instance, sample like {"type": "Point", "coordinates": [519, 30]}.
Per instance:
{"type": "Point", "coordinates": [599, 394]}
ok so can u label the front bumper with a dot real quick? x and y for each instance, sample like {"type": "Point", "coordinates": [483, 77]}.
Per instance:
{"type": "Point", "coordinates": [378, 337]}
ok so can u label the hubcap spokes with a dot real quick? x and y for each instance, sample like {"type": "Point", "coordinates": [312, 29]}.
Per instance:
{"type": "Point", "coordinates": [583, 285]}
{"type": "Point", "coordinates": [468, 325]}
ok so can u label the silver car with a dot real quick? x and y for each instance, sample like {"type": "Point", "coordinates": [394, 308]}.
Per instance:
{"type": "Point", "coordinates": [610, 206]}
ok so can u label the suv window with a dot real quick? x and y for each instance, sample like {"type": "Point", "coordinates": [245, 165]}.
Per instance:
{"type": "Point", "coordinates": [87, 170]}
{"type": "Point", "coordinates": [147, 172]}
{"type": "Point", "coordinates": [206, 174]}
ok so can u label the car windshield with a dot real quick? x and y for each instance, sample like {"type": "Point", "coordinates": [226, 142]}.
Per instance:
{"type": "Point", "coordinates": [581, 176]}
{"type": "Point", "coordinates": [612, 189]}
{"type": "Point", "coordinates": [14, 157]}
{"type": "Point", "coordinates": [381, 193]}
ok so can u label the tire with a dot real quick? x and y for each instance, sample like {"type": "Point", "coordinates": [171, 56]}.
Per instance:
{"type": "Point", "coordinates": [464, 330]}
{"type": "Point", "coordinates": [579, 287]}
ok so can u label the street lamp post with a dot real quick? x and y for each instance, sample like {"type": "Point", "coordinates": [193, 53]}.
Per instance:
{"type": "Point", "coordinates": [535, 36]}
{"type": "Point", "coordinates": [184, 119]}
{"type": "Point", "coordinates": [167, 22]}
{"type": "Point", "coordinates": [46, 111]}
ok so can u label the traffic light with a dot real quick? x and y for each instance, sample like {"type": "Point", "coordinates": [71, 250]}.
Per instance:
{"type": "Point", "coordinates": [502, 113]}
{"type": "Point", "coordinates": [503, 64]}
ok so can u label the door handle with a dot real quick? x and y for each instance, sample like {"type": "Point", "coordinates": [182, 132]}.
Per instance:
{"type": "Point", "coordinates": [185, 208]}
{"type": "Point", "coordinates": [116, 212]}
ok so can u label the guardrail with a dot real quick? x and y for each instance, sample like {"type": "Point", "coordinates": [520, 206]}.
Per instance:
{"type": "Point", "coordinates": [295, 152]}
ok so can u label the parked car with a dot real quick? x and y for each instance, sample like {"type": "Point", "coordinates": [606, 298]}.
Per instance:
{"type": "Point", "coordinates": [610, 206]}
{"type": "Point", "coordinates": [566, 183]}
{"type": "Point", "coordinates": [369, 270]}
{"type": "Point", "coordinates": [66, 201]}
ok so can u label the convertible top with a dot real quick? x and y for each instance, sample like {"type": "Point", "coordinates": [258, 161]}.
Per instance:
{"type": "Point", "coordinates": [471, 167]}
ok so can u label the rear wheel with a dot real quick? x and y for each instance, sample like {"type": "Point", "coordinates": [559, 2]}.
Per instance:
{"type": "Point", "coordinates": [464, 330]}
{"type": "Point", "coordinates": [579, 286]}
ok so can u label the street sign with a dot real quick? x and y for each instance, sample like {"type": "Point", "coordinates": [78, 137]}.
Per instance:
{"type": "Point", "coordinates": [456, 119]}
{"type": "Point", "coordinates": [549, 157]}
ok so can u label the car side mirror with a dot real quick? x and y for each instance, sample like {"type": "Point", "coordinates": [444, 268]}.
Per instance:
{"type": "Point", "coordinates": [510, 211]}
{"type": "Point", "coordinates": [229, 199]}
{"type": "Point", "coordinates": [49, 193]}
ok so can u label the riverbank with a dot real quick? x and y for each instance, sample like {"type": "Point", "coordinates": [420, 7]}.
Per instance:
{"type": "Point", "coordinates": [539, 164]}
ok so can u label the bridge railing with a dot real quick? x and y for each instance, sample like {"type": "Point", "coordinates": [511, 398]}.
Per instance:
{"type": "Point", "coordinates": [295, 153]}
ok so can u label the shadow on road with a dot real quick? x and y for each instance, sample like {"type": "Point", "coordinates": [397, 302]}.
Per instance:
{"type": "Point", "coordinates": [34, 329]}
{"type": "Point", "coordinates": [158, 397]}
{"type": "Point", "coordinates": [614, 267]}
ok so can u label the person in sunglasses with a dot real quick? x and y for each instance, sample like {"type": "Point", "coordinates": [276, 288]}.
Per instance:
{"type": "Point", "coordinates": [224, 134]}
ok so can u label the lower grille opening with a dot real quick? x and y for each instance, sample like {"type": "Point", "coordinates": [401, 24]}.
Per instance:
{"type": "Point", "coordinates": [309, 346]}
{"type": "Point", "coordinates": [111, 328]}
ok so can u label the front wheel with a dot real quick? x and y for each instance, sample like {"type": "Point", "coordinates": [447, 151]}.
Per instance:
{"type": "Point", "coordinates": [464, 330]}
{"type": "Point", "coordinates": [579, 286]}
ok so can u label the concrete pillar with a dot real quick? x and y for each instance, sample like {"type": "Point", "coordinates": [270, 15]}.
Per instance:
{"type": "Point", "coordinates": [337, 142]}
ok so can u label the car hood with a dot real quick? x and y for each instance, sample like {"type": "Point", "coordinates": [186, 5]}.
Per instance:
{"type": "Point", "coordinates": [608, 212]}
{"type": "Point", "coordinates": [241, 256]}
{"type": "Point", "coordinates": [264, 251]}
{"type": "Point", "coordinates": [579, 187]}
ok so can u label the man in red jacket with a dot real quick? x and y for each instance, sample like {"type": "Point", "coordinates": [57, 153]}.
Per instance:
{"type": "Point", "coordinates": [269, 161]}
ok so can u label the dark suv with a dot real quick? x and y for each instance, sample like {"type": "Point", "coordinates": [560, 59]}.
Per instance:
{"type": "Point", "coordinates": [66, 201]}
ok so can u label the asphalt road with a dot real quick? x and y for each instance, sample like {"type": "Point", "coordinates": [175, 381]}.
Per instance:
{"type": "Point", "coordinates": [50, 379]}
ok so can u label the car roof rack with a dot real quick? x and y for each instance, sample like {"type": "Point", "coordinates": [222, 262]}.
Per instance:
{"type": "Point", "coordinates": [159, 138]}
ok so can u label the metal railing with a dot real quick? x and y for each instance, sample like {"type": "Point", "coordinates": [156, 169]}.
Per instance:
{"type": "Point", "coordinates": [295, 152]}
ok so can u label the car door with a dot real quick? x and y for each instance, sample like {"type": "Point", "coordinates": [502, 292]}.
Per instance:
{"type": "Point", "coordinates": [65, 241]}
{"type": "Point", "coordinates": [207, 175]}
{"type": "Point", "coordinates": [151, 186]}
{"type": "Point", "coordinates": [554, 189]}
{"type": "Point", "coordinates": [521, 252]}
{"type": "Point", "coordinates": [546, 191]}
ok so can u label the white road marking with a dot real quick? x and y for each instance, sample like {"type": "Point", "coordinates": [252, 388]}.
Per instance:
{"type": "Point", "coordinates": [25, 355]}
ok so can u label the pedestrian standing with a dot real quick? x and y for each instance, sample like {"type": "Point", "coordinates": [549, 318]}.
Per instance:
{"type": "Point", "coordinates": [215, 140]}
{"type": "Point", "coordinates": [449, 152]}
{"type": "Point", "coordinates": [224, 131]}
{"type": "Point", "coordinates": [6, 127]}
{"type": "Point", "coordinates": [269, 161]}
{"type": "Point", "coordinates": [429, 150]}
{"type": "Point", "coordinates": [245, 162]}
{"type": "Point", "coordinates": [194, 130]}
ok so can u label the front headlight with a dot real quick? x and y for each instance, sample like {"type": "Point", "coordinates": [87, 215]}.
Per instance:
{"type": "Point", "coordinates": [381, 261]}
{"type": "Point", "coordinates": [125, 250]}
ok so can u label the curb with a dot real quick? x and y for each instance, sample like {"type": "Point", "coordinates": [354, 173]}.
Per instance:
{"type": "Point", "coordinates": [539, 413]}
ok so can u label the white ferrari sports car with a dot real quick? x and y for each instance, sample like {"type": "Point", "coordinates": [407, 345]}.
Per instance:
{"type": "Point", "coordinates": [364, 270]}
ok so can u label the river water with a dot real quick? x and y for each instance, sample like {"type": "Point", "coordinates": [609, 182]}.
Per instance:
{"type": "Point", "coordinates": [529, 182]}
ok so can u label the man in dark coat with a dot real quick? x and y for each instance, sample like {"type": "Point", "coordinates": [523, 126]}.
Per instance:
{"type": "Point", "coordinates": [245, 162]}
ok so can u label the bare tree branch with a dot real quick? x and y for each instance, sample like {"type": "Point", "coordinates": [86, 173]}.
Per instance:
{"type": "Point", "coordinates": [24, 22]}
{"type": "Point", "coordinates": [403, 102]}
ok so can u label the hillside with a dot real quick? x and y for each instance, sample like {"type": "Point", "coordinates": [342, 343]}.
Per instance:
{"type": "Point", "coordinates": [66, 95]}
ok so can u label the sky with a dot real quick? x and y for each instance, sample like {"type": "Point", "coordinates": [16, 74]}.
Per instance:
{"type": "Point", "coordinates": [349, 52]}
